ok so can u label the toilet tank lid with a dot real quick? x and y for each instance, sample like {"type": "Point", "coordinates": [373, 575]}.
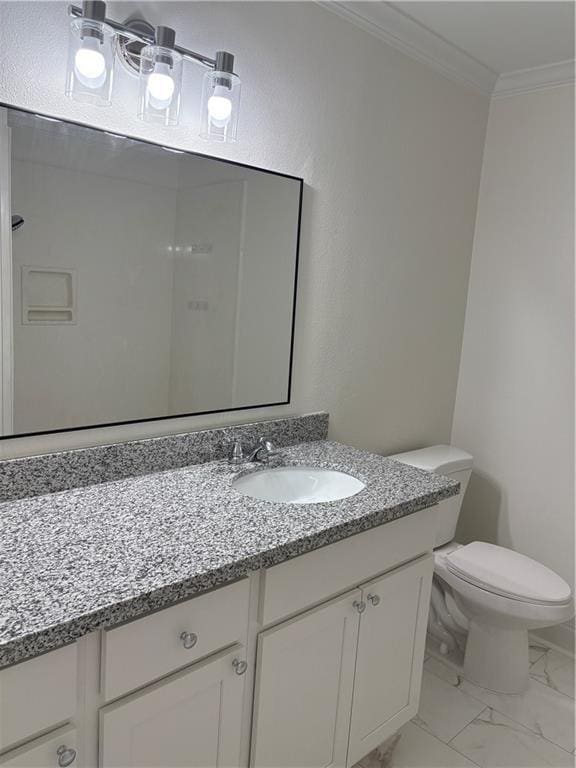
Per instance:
{"type": "Point", "coordinates": [442, 459]}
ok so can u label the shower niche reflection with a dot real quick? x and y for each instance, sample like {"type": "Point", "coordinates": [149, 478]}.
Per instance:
{"type": "Point", "coordinates": [147, 283]}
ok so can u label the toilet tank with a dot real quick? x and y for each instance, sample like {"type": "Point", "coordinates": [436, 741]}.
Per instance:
{"type": "Point", "coordinates": [455, 464]}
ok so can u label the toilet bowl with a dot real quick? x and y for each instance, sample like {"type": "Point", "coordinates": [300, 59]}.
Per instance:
{"type": "Point", "coordinates": [503, 594]}
{"type": "Point", "coordinates": [485, 598]}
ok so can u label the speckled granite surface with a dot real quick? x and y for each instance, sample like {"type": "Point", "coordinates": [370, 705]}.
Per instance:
{"type": "Point", "coordinates": [88, 558]}
{"type": "Point", "coordinates": [50, 473]}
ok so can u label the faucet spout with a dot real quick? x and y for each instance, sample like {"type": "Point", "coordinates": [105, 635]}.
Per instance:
{"type": "Point", "coordinates": [264, 451]}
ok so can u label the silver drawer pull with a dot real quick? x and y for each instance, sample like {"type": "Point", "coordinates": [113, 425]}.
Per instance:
{"type": "Point", "coordinates": [374, 599]}
{"type": "Point", "coordinates": [189, 639]}
{"type": "Point", "coordinates": [66, 755]}
{"type": "Point", "coordinates": [239, 666]}
{"type": "Point", "coordinates": [360, 605]}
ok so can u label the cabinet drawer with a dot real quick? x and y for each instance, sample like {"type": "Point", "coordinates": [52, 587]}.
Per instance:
{"type": "Point", "coordinates": [312, 578]}
{"type": "Point", "coordinates": [55, 750]}
{"type": "Point", "coordinates": [156, 645]}
{"type": "Point", "coordinates": [37, 694]}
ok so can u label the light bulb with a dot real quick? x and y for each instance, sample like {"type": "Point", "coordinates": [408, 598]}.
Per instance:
{"type": "Point", "coordinates": [160, 86]}
{"type": "Point", "coordinates": [220, 100]}
{"type": "Point", "coordinates": [220, 106]}
{"type": "Point", "coordinates": [90, 64]}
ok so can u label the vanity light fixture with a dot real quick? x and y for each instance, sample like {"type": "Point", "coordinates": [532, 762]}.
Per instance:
{"type": "Point", "coordinates": [153, 55]}
{"type": "Point", "coordinates": [91, 56]}
{"type": "Point", "coordinates": [160, 79]}
{"type": "Point", "coordinates": [220, 100]}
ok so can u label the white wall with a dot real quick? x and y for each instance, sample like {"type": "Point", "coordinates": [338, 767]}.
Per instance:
{"type": "Point", "coordinates": [391, 154]}
{"type": "Point", "coordinates": [515, 405]}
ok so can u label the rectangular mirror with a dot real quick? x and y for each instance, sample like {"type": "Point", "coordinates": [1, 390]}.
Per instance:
{"type": "Point", "coordinates": [147, 283]}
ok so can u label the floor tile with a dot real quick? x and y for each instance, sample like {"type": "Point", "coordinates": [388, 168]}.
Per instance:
{"type": "Point", "coordinates": [495, 741]}
{"type": "Point", "coordinates": [556, 671]}
{"type": "Point", "coordinates": [444, 709]}
{"type": "Point", "coordinates": [419, 749]}
{"type": "Point", "coordinates": [541, 709]}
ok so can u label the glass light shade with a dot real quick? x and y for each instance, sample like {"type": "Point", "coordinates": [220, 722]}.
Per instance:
{"type": "Point", "coordinates": [90, 62]}
{"type": "Point", "coordinates": [220, 106]}
{"type": "Point", "coordinates": [160, 85]}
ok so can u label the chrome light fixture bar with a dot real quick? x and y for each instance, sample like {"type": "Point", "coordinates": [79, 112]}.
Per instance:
{"type": "Point", "coordinates": [154, 55]}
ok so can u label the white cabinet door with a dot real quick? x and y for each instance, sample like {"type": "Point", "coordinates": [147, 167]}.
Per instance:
{"type": "Point", "coordinates": [190, 720]}
{"type": "Point", "coordinates": [390, 655]}
{"type": "Point", "coordinates": [305, 674]}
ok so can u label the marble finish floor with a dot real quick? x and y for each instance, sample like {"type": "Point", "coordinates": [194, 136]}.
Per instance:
{"type": "Point", "coordinates": [460, 724]}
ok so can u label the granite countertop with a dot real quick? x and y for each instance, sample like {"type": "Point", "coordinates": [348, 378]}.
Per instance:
{"type": "Point", "coordinates": [88, 558]}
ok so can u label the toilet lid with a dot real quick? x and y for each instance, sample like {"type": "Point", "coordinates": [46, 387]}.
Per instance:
{"type": "Point", "coordinates": [504, 572]}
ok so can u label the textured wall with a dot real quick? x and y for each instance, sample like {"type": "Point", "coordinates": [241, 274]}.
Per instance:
{"type": "Point", "coordinates": [515, 404]}
{"type": "Point", "coordinates": [391, 154]}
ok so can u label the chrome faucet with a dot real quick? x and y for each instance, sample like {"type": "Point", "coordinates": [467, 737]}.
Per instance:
{"type": "Point", "coordinates": [263, 451]}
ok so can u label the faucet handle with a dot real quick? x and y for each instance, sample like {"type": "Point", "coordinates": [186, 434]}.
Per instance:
{"type": "Point", "coordinates": [268, 448]}
{"type": "Point", "coordinates": [236, 454]}
{"type": "Point", "coordinates": [263, 451]}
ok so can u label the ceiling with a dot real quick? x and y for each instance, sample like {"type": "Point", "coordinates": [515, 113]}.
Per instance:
{"type": "Point", "coordinates": [504, 36]}
{"type": "Point", "coordinates": [498, 47]}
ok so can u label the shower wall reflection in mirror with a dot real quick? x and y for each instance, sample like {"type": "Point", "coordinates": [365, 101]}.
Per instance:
{"type": "Point", "coordinates": [147, 283]}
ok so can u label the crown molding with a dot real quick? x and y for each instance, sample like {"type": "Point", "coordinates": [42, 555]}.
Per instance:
{"type": "Point", "coordinates": [534, 79]}
{"type": "Point", "coordinates": [385, 21]}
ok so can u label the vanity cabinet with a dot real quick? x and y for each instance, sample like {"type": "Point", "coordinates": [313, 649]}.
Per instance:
{"type": "Point", "coordinates": [192, 720]}
{"type": "Point", "coordinates": [311, 663]}
{"type": "Point", "coordinates": [333, 683]}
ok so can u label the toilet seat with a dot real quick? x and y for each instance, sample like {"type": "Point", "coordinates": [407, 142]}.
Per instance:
{"type": "Point", "coordinates": [508, 574]}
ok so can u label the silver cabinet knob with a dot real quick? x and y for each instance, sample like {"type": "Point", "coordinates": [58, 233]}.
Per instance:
{"type": "Point", "coordinates": [66, 755]}
{"type": "Point", "coordinates": [360, 605]}
{"type": "Point", "coordinates": [239, 666]}
{"type": "Point", "coordinates": [189, 639]}
{"type": "Point", "coordinates": [374, 599]}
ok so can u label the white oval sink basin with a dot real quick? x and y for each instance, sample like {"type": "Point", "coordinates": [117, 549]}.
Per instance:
{"type": "Point", "coordinates": [298, 485]}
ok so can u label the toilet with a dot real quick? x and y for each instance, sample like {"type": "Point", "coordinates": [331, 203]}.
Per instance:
{"type": "Point", "coordinates": [485, 598]}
